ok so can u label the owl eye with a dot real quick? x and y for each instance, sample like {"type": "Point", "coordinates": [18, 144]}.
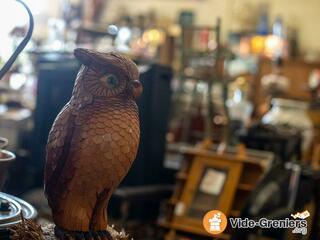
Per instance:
{"type": "Point", "coordinates": [110, 80]}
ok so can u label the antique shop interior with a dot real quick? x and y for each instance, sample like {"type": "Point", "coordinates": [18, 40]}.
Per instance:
{"type": "Point", "coordinates": [226, 128]}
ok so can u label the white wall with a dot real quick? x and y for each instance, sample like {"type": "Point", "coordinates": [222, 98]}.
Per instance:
{"type": "Point", "coordinates": [206, 11]}
{"type": "Point", "coordinates": [304, 14]}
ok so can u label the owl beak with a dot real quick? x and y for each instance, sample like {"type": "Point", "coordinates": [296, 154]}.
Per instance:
{"type": "Point", "coordinates": [83, 55]}
{"type": "Point", "coordinates": [136, 88]}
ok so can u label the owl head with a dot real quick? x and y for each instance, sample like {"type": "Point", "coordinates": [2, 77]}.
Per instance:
{"type": "Point", "coordinates": [108, 75]}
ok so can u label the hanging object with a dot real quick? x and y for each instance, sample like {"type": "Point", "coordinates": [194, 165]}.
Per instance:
{"type": "Point", "coordinates": [21, 46]}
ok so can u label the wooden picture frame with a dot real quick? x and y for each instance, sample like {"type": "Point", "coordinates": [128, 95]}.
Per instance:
{"type": "Point", "coordinates": [185, 212]}
{"type": "Point", "coordinates": [244, 167]}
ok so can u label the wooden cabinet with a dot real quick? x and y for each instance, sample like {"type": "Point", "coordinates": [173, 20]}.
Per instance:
{"type": "Point", "coordinates": [298, 71]}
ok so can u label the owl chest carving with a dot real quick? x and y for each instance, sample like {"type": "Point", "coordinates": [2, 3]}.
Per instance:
{"type": "Point", "coordinates": [111, 135]}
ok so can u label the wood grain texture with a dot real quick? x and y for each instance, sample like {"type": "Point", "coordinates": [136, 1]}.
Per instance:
{"type": "Point", "coordinates": [93, 141]}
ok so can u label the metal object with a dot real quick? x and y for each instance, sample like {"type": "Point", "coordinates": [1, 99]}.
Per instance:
{"type": "Point", "coordinates": [15, 208]}
{"type": "Point", "coordinates": [12, 215]}
{"type": "Point", "coordinates": [21, 46]}
{"type": "Point", "coordinates": [3, 143]}
{"type": "Point", "coordinates": [6, 158]}
{"type": "Point", "coordinates": [4, 206]}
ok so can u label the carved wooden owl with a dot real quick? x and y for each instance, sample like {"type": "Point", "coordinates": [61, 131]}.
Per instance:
{"type": "Point", "coordinates": [92, 143]}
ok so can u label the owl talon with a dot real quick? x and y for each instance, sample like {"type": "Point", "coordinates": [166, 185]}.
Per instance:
{"type": "Point", "coordinates": [72, 235]}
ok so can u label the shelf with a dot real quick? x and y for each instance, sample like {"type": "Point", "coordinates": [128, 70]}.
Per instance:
{"type": "Point", "coordinates": [211, 78]}
{"type": "Point", "coordinates": [173, 201]}
{"type": "Point", "coordinates": [193, 77]}
{"type": "Point", "coordinates": [181, 176]}
{"type": "Point", "coordinates": [245, 187]}
{"type": "Point", "coordinates": [94, 28]}
{"type": "Point", "coordinates": [193, 53]}
{"type": "Point", "coordinates": [200, 28]}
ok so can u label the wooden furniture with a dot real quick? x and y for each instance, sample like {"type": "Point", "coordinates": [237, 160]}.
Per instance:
{"type": "Point", "coordinates": [314, 155]}
{"type": "Point", "coordinates": [240, 170]}
{"type": "Point", "coordinates": [297, 70]}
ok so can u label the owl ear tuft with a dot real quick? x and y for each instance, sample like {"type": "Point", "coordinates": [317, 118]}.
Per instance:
{"type": "Point", "coordinates": [83, 55]}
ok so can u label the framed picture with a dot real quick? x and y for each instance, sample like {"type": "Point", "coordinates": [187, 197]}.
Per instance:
{"type": "Point", "coordinates": [210, 185]}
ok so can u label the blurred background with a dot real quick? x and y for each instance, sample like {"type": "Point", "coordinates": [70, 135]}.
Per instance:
{"type": "Point", "coordinates": [230, 113]}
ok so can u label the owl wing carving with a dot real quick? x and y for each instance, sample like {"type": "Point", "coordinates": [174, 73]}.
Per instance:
{"type": "Point", "coordinates": [57, 154]}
